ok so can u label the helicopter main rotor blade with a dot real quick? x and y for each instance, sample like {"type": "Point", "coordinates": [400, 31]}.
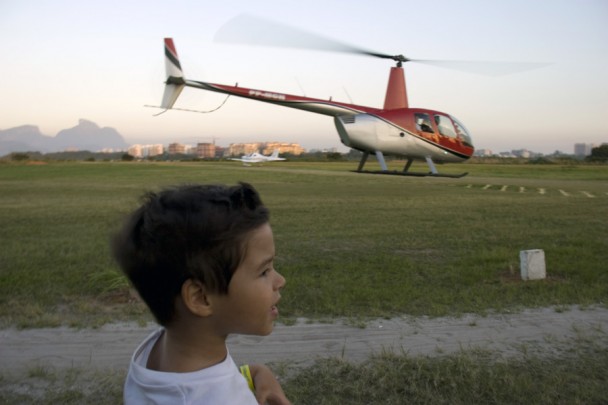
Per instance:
{"type": "Point", "coordinates": [485, 68]}
{"type": "Point", "coordinates": [251, 30]}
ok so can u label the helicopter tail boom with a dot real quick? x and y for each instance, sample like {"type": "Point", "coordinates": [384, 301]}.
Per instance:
{"type": "Point", "coordinates": [175, 77]}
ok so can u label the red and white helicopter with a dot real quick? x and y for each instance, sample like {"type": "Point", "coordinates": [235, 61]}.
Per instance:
{"type": "Point", "coordinates": [394, 129]}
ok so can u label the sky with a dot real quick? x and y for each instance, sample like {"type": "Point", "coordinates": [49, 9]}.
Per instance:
{"type": "Point", "coordinates": [65, 60]}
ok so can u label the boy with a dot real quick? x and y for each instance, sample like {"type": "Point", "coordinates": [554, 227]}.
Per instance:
{"type": "Point", "coordinates": [201, 257]}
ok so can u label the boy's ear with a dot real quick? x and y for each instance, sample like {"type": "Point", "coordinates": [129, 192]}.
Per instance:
{"type": "Point", "coordinates": [195, 298]}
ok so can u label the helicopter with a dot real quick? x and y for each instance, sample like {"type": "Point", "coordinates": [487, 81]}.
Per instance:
{"type": "Point", "coordinates": [394, 129]}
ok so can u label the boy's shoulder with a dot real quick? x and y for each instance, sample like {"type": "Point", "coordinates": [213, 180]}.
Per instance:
{"type": "Point", "coordinates": [221, 383]}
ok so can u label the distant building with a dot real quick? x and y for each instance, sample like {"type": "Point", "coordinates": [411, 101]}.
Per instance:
{"type": "Point", "coordinates": [142, 151]}
{"type": "Point", "coordinates": [177, 148]}
{"type": "Point", "coordinates": [522, 153]}
{"type": "Point", "coordinates": [219, 151]}
{"type": "Point", "coordinates": [136, 151]}
{"type": "Point", "coordinates": [483, 152]}
{"type": "Point", "coordinates": [283, 147]}
{"type": "Point", "coordinates": [205, 150]}
{"type": "Point", "coordinates": [583, 149]}
{"type": "Point", "coordinates": [154, 150]}
{"type": "Point", "coordinates": [211, 150]}
{"type": "Point", "coordinates": [237, 149]}
{"type": "Point", "coordinates": [266, 148]}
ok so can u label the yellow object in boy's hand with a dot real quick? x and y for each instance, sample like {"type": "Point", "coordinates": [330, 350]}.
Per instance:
{"type": "Point", "coordinates": [247, 374]}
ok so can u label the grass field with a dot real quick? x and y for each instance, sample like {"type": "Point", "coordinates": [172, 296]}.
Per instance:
{"type": "Point", "coordinates": [350, 245]}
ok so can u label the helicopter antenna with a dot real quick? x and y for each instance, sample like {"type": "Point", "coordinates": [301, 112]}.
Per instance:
{"type": "Point", "coordinates": [300, 86]}
{"type": "Point", "coordinates": [347, 95]}
{"type": "Point", "coordinates": [186, 109]}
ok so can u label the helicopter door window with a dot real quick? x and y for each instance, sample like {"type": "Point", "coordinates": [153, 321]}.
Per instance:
{"type": "Point", "coordinates": [445, 126]}
{"type": "Point", "coordinates": [423, 122]}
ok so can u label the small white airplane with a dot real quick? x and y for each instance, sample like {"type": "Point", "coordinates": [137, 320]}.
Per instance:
{"type": "Point", "coordinates": [256, 157]}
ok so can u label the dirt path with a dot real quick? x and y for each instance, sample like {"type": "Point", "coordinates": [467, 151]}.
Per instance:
{"type": "Point", "coordinates": [112, 345]}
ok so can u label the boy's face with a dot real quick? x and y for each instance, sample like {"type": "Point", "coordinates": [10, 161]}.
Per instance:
{"type": "Point", "coordinates": [250, 307]}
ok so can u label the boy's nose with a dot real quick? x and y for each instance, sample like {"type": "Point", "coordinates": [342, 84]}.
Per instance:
{"type": "Point", "coordinates": [280, 281]}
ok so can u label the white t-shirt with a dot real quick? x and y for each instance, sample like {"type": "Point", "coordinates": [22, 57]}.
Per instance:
{"type": "Point", "coordinates": [219, 384]}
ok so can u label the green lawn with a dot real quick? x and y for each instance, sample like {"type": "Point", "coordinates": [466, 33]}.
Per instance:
{"type": "Point", "coordinates": [350, 245]}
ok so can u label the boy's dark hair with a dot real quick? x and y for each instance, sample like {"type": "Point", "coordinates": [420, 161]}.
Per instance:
{"type": "Point", "coordinates": [183, 232]}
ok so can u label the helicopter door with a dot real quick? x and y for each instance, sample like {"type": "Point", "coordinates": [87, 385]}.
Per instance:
{"type": "Point", "coordinates": [424, 126]}
{"type": "Point", "coordinates": [445, 126]}
{"type": "Point", "coordinates": [423, 123]}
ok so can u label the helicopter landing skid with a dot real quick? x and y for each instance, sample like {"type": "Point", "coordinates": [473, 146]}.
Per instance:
{"type": "Point", "coordinates": [415, 174]}
{"type": "Point", "coordinates": [405, 172]}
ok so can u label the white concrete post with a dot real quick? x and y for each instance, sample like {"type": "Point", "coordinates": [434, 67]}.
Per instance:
{"type": "Point", "coordinates": [532, 264]}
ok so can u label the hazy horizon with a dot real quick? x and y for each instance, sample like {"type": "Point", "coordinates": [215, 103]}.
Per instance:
{"type": "Point", "coordinates": [103, 61]}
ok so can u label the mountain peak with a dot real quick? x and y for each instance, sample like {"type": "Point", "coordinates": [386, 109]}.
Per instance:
{"type": "Point", "coordinates": [87, 135]}
{"type": "Point", "coordinates": [87, 124]}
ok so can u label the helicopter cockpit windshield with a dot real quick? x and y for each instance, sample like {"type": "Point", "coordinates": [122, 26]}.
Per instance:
{"type": "Point", "coordinates": [462, 132]}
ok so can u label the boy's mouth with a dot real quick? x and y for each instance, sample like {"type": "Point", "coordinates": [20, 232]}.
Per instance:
{"type": "Point", "coordinates": [275, 308]}
{"type": "Point", "coordinates": [274, 311]}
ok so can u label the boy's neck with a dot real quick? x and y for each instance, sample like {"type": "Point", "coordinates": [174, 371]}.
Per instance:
{"type": "Point", "coordinates": [183, 349]}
